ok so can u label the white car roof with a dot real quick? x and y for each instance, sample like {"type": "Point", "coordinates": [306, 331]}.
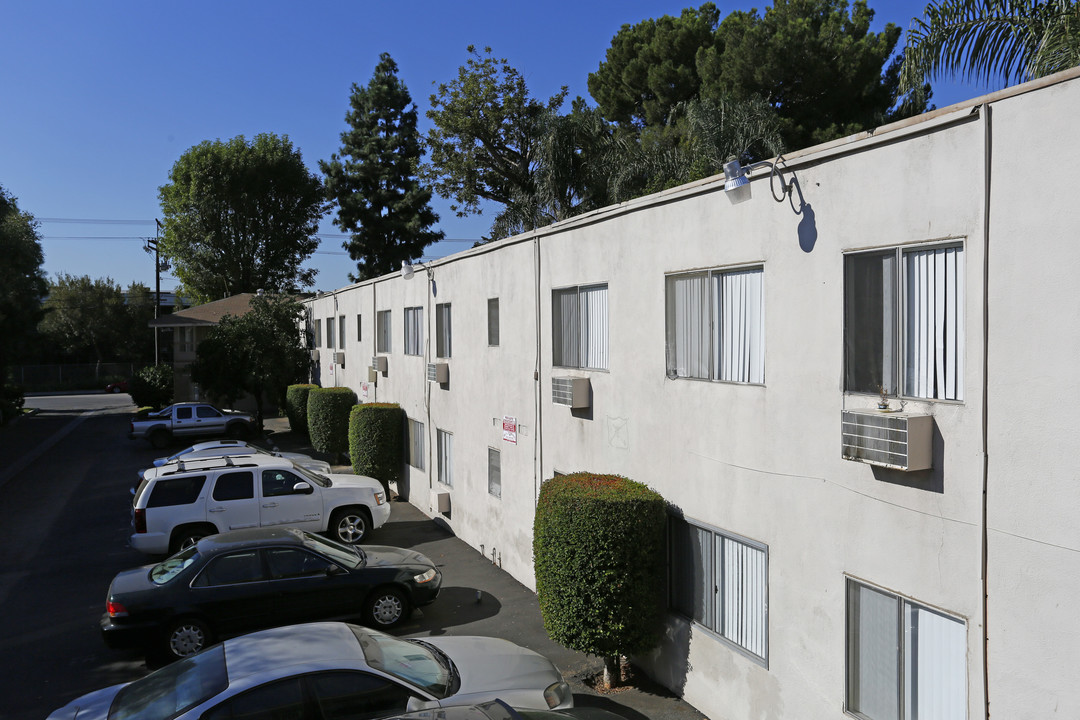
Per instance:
{"type": "Point", "coordinates": [327, 644]}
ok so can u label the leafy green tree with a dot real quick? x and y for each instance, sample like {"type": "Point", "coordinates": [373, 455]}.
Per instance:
{"type": "Point", "coordinates": [137, 337]}
{"type": "Point", "coordinates": [987, 40]}
{"type": "Point", "coordinates": [241, 217]}
{"type": "Point", "coordinates": [259, 353]}
{"type": "Point", "coordinates": [486, 133]}
{"type": "Point", "coordinates": [379, 198]}
{"type": "Point", "coordinates": [85, 318]}
{"type": "Point", "coordinates": [598, 544]}
{"type": "Point", "coordinates": [152, 387]}
{"type": "Point", "coordinates": [651, 67]}
{"type": "Point", "coordinates": [23, 285]}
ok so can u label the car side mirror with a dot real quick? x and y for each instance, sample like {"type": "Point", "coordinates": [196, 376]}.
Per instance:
{"type": "Point", "coordinates": [302, 488]}
{"type": "Point", "coordinates": [416, 703]}
{"type": "Point", "coordinates": [333, 570]}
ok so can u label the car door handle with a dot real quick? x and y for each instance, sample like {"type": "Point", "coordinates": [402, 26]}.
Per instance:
{"type": "Point", "coordinates": [217, 509]}
{"type": "Point", "coordinates": [268, 505]}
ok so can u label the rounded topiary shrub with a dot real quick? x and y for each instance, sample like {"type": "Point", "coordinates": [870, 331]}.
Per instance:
{"type": "Point", "coordinates": [377, 441]}
{"type": "Point", "coordinates": [296, 398]}
{"type": "Point", "coordinates": [598, 544]}
{"type": "Point", "coordinates": [152, 386]}
{"type": "Point", "coordinates": [328, 418]}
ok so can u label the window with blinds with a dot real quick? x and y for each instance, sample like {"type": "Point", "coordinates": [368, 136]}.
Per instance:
{"type": "Point", "coordinates": [382, 332]}
{"type": "Point", "coordinates": [716, 325]}
{"type": "Point", "coordinates": [720, 581]}
{"type": "Point", "coordinates": [416, 444]}
{"type": "Point", "coordinates": [442, 330]}
{"type": "Point", "coordinates": [579, 319]}
{"type": "Point", "coordinates": [414, 331]}
{"type": "Point", "coordinates": [444, 442]}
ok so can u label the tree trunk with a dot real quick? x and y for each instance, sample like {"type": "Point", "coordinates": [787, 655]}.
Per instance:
{"type": "Point", "coordinates": [612, 676]}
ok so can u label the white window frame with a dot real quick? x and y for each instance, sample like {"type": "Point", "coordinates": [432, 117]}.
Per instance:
{"type": "Point", "coordinates": [494, 472]}
{"type": "Point", "coordinates": [415, 440]}
{"type": "Point", "coordinates": [920, 657]}
{"type": "Point", "coordinates": [493, 322]}
{"type": "Point", "coordinates": [187, 339]}
{"type": "Point", "coordinates": [922, 324]}
{"type": "Point", "coordinates": [579, 327]}
{"type": "Point", "coordinates": [383, 332]}
{"type": "Point", "coordinates": [444, 442]}
{"type": "Point", "coordinates": [414, 331]}
{"type": "Point", "coordinates": [724, 587]}
{"type": "Point", "coordinates": [341, 332]}
{"type": "Point", "coordinates": [443, 330]}
{"type": "Point", "coordinates": [330, 333]}
{"type": "Point", "coordinates": [716, 324]}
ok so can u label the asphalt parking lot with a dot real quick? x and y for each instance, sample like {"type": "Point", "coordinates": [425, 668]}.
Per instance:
{"type": "Point", "coordinates": [479, 598]}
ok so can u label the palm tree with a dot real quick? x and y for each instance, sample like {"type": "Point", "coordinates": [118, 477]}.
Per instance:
{"type": "Point", "coordinates": [984, 40]}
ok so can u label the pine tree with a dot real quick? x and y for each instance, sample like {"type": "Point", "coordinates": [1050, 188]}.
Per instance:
{"type": "Point", "coordinates": [373, 181]}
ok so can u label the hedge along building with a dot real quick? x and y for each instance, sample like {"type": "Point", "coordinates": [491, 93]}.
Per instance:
{"type": "Point", "coordinates": [731, 350]}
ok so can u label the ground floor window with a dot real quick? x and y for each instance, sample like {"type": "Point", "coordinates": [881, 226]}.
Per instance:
{"type": "Point", "coordinates": [720, 581]}
{"type": "Point", "coordinates": [416, 444]}
{"type": "Point", "coordinates": [904, 661]}
{"type": "Point", "coordinates": [445, 442]}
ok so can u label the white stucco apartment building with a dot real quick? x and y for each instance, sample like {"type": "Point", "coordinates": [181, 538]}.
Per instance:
{"type": "Point", "coordinates": [732, 349]}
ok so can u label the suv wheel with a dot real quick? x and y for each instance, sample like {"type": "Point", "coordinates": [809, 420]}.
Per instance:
{"type": "Point", "coordinates": [185, 537]}
{"type": "Point", "coordinates": [349, 525]}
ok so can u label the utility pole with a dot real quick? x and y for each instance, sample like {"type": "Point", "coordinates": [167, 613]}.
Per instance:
{"type": "Point", "coordinates": [152, 246]}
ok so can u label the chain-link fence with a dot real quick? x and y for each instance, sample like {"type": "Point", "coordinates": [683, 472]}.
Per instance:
{"type": "Point", "coordinates": [71, 376]}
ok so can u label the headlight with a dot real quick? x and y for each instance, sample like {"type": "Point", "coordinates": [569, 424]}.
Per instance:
{"type": "Point", "coordinates": [556, 694]}
{"type": "Point", "coordinates": [425, 577]}
{"type": "Point", "coordinates": [380, 498]}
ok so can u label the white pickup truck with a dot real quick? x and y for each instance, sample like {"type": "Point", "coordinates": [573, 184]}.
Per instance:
{"type": "Point", "coordinates": [191, 419]}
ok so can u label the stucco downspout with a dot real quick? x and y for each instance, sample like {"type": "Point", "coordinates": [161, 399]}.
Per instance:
{"type": "Point", "coordinates": [987, 158]}
{"type": "Point", "coordinates": [538, 463]}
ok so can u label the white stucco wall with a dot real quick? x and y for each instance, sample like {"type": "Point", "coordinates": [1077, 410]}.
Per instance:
{"type": "Point", "coordinates": [763, 461]}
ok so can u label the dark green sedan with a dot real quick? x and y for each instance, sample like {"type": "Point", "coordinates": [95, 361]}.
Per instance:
{"type": "Point", "coordinates": [262, 577]}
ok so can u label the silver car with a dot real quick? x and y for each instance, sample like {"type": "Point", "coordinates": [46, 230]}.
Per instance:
{"type": "Point", "coordinates": [332, 669]}
{"type": "Point", "coordinates": [221, 448]}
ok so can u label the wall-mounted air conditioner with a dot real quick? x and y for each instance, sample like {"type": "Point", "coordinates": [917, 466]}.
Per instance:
{"type": "Point", "coordinates": [440, 501]}
{"type": "Point", "coordinates": [438, 372]}
{"type": "Point", "coordinates": [314, 356]}
{"type": "Point", "coordinates": [573, 392]}
{"type": "Point", "coordinates": [339, 358]}
{"type": "Point", "coordinates": [379, 363]}
{"type": "Point", "coordinates": [894, 440]}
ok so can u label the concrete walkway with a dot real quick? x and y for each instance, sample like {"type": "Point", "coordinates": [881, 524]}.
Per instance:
{"type": "Point", "coordinates": [479, 598]}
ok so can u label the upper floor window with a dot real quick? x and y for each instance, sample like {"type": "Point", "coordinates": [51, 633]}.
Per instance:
{"type": "Point", "coordinates": [445, 451]}
{"type": "Point", "coordinates": [330, 332]}
{"type": "Point", "coordinates": [318, 333]}
{"type": "Point", "coordinates": [716, 325]}
{"type": "Point", "coordinates": [359, 327]}
{"type": "Point", "coordinates": [904, 322]}
{"type": "Point", "coordinates": [579, 327]}
{"type": "Point", "coordinates": [414, 331]}
{"type": "Point", "coordinates": [493, 321]}
{"type": "Point", "coordinates": [187, 339]}
{"type": "Point", "coordinates": [904, 660]}
{"type": "Point", "coordinates": [341, 332]}
{"type": "Point", "coordinates": [382, 331]}
{"type": "Point", "coordinates": [442, 330]}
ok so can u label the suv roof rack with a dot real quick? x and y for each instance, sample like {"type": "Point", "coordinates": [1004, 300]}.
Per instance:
{"type": "Point", "coordinates": [211, 463]}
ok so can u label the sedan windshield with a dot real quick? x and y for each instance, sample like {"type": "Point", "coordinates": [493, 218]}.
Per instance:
{"type": "Point", "coordinates": [167, 569]}
{"type": "Point", "coordinates": [173, 689]}
{"type": "Point", "coordinates": [416, 663]}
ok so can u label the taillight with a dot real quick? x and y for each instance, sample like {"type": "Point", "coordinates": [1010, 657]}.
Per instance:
{"type": "Point", "coordinates": [140, 521]}
{"type": "Point", "coordinates": [115, 609]}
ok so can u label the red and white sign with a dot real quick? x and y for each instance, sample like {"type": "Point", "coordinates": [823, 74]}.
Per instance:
{"type": "Point", "coordinates": [510, 429]}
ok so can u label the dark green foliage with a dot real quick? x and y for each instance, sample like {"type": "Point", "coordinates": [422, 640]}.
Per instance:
{"type": "Point", "coordinates": [22, 281]}
{"type": "Point", "coordinates": [260, 353]}
{"type": "Point", "coordinates": [11, 402]}
{"type": "Point", "coordinates": [296, 397]}
{"type": "Point", "coordinates": [92, 320]}
{"type": "Point", "coordinates": [598, 545]}
{"type": "Point", "coordinates": [377, 442]}
{"type": "Point", "coordinates": [241, 217]}
{"type": "Point", "coordinates": [379, 199]}
{"type": "Point", "coordinates": [328, 412]}
{"type": "Point", "coordinates": [152, 386]}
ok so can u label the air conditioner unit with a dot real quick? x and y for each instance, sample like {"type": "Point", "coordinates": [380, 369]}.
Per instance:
{"type": "Point", "coordinates": [339, 358]}
{"type": "Point", "coordinates": [438, 372]}
{"type": "Point", "coordinates": [440, 501]}
{"type": "Point", "coordinates": [379, 363]}
{"type": "Point", "coordinates": [314, 356]}
{"type": "Point", "coordinates": [894, 440]}
{"type": "Point", "coordinates": [573, 392]}
{"type": "Point", "coordinates": [372, 375]}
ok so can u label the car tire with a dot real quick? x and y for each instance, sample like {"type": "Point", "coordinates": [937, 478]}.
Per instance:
{"type": "Point", "coordinates": [114, 389]}
{"type": "Point", "coordinates": [160, 439]}
{"type": "Point", "coordinates": [385, 608]}
{"type": "Point", "coordinates": [349, 525]}
{"type": "Point", "coordinates": [187, 636]}
{"type": "Point", "coordinates": [188, 535]}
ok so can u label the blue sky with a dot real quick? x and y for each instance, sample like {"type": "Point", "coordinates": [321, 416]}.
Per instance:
{"type": "Point", "coordinates": [100, 99]}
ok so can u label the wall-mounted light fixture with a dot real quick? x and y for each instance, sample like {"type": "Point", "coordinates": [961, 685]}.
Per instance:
{"type": "Point", "coordinates": [407, 271]}
{"type": "Point", "coordinates": [735, 176]}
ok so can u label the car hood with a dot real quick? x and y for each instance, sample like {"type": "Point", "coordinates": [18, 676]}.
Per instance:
{"type": "Point", "coordinates": [355, 481]}
{"type": "Point", "coordinates": [383, 555]}
{"type": "Point", "coordinates": [306, 461]}
{"type": "Point", "coordinates": [93, 706]}
{"type": "Point", "coordinates": [491, 667]}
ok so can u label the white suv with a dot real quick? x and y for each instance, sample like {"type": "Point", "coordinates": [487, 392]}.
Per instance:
{"type": "Point", "coordinates": [184, 501]}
